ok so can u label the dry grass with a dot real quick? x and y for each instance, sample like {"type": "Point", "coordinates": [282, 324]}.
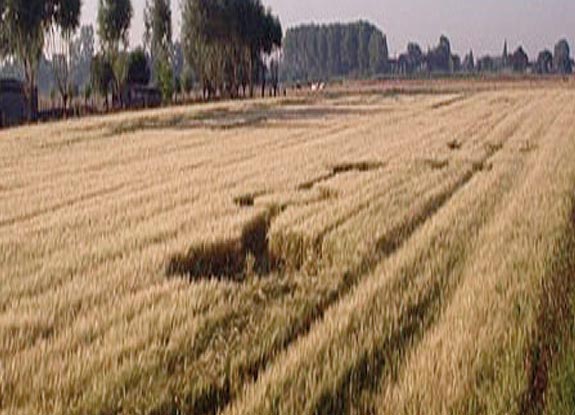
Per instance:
{"type": "Point", "coordinates": [321, 255]}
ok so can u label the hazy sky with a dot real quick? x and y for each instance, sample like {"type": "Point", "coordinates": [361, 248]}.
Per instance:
{"type": "Point", "coordinates": [478, 24]}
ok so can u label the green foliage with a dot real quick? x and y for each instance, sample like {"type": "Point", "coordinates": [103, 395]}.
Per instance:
{"type": "Point", "coordinates": [178, 60]}
{"type": "Point", "coordinates": [437, 60]}
{"type": "Point", "coordinates": [165, 80]}
{"type": "Point", "coordinates": [187, 80]}
{"type": "Point", "coordinates": [519, 60]}
{"type": "Point", "coordinates": [158, 40]}
{"type": "Point", "coordinates": [314, 52]}
{"type": "Point", "coordinates": [24, 27]}
{"type": "Point", "coordinates": [66, 15]}
{"type": "Point", "coordinates": [440, 59]}
{"type": "Point", "coordinates": [73, 91]}
{"type": "Point", "coordinates": [120, 69]}
{"type": "Point", "coordinates": [66, 19]}
{"type": "Point", "coordinates": [544, 63]}
{"type": "Point", "coordinates": [81, 54]}
{"type": "Point", "coordinates": [4, 43]}
{"type": "Point", "coordinates": [363, 56]}
{"type": "Point", "coordinates": [469, 62]}
{"type": "Point", "coordinates": [561, 395]}
{"type": "Point", "coordinates": [158, 24]}
{"type": "Point", "coordinates": [378, 54]}
{"type": "Point", "coordinates": [114, 17]}
{"type": "Point", "coordinates": [562, 57]}
{"type": "Point", "coordinates": [138, 70]}
{"type": "Point", "coordinates": [87, 92]}
{"type": "Point", "coordinates": [102, 75]}
{"type": "Point", "coordinates": [224, 40]}
{"type": "Point", "coordinates": [351, 49]}
{"type": "Point", "coordinates": [177, 85]}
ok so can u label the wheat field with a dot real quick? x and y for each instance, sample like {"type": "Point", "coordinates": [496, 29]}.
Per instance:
{"type": "Point", "coordinates": [368, 250]}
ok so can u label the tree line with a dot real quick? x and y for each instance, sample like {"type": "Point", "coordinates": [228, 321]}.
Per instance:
{"type": "Point", "coordinates": [227, 45]}
{"type": "Point", "coordinates": [319, 52]}
{"type": "Point", "coordinates": [225, 42]}
{"type": "Point", "coordinates": [314, 52]}
{"type": "Point", "coordinates": [28, 25]}
{"type": "Point", "coordinates": [557, 62]}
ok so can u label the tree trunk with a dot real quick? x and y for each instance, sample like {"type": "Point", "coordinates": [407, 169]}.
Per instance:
{"type": "Point", "coordinates": [251, 77]}
{"type": "Point", "coordinates": [235, 85]}
{"type": "Point", "coordinates": [65, 104]}
{"type": "Point", "coordinates": [32, 102]}
{"type": "Point", "coordinates": [263, 82]}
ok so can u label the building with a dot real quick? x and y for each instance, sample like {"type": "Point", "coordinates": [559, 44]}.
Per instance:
{"type": "Point", "coordinates": [13, 103]}
{"type": "Point", "coordinates": [139, 96]}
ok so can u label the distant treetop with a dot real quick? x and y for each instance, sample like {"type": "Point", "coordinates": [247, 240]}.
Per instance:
{"type": "Point", "coordinates": [314, 52]}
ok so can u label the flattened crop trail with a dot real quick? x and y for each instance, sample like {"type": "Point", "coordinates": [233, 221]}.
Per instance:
{"type": "Point", "coordinates": [341, 169]}
{"type": "Point", "coordinates": [419, 297]}
{"type": "Point", "coordinates": [219, 395]}
{"type": "Point", "coordinates": [555, 313]}
{"type": "Point", "coordinates": [379, 354]}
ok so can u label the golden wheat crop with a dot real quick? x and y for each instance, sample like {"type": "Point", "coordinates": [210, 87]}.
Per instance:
{"type": "Point", "coordinates": [363, 251]}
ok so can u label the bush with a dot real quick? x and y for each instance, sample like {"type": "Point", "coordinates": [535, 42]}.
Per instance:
{"type": "Point", "coordinates": [165, 80]}
{"type": "Point", "coordinates": [138, 69]}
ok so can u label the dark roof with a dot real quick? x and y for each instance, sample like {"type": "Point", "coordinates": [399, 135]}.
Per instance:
{"type": "Point", "coordinates": [143, 88]}
{"type": "Point", "coordinates": [11, 85]}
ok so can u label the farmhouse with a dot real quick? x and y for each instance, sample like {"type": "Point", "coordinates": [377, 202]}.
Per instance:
{"type": "Point", "coordinates": [13, 103]}
{"type": "Point", "coordinates": [139, 96]}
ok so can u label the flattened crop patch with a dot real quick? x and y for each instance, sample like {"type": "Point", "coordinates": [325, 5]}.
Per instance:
{"type": "Point", "coordinates": [228, 259]}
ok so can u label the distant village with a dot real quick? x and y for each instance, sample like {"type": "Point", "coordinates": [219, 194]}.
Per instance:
{"type": "Point", "coordinates": [517, 62]}
{"type": "Point", "coordinates": [360, 50]}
